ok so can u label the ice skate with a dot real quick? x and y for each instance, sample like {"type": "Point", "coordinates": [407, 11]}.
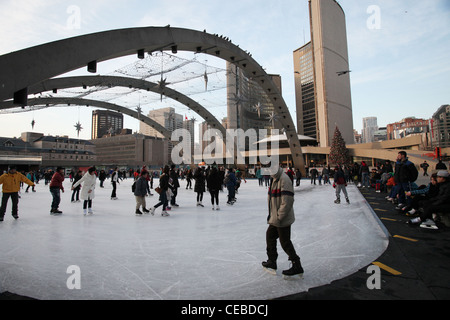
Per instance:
{"type": "Point", "coordinates": [429, 224]}
{"type": "Point", "coordinates": [84, 212]}
{"type": "Point", "coordinates": [270, 266]}
{"type": "Point", "coordinates": [165, 214]}
{"type": "Point", "coordinates": [337, 201]}
{"type": "Point", "coordinates": [138, 212]}
{"type": "Point", "coordinates": [90, 211]}
{"type": "Point", "coordinates": [213, 207]}
{"type": "Point", "coordinates": [145, 210]}
{"type": "Point", "coordinates": [217, 208]}
{"type": "Point", "coordinates": [295, 272]}
{"type": "Point", "coordinates": [152, 211]}
{"type": "Point", "coordinates": [348, 200]}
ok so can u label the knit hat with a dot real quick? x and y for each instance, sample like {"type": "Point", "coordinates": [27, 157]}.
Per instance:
{"type": "Point", "coordinates": [443, 174]}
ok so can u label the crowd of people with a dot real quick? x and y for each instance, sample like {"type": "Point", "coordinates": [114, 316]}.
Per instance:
{"type": "Point", "coordinates": [210, 179]}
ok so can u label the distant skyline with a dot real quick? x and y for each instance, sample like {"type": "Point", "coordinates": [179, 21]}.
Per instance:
{"type": "Point", "coordinates": [399, 51]}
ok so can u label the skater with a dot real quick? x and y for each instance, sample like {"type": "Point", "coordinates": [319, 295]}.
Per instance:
{"type": "Point", "coordinates": [87, 190]}
{"type": "Point", "coordinates": [31, 176]}
{"type": "Point", "coordinates": [76, 191]}
{"type": "Point", "coordinates": [175, 185]}
{"type": "Point", "coordinates": [102, 177]}
{"type": "Point", "coordinates": [141, 192]}
{"type": "Point", "coordinates": [231, 181]}
{"type": "Point", "coordinates": [11, 186]}
{"type": "Point", "coordinates": [114, 182]}
{"type": "Point", "coordinates": [298, 177]}
{"type": "Point", "coordinates": [199, 187]}
{"type": "Point", "coordinates": [189, 178]}
{"type": "Point", "coordinates": [56, 185]}
{"type": "Point", "coordinates": [340, 184]}
{"type": "Point", "coordinates": [164, 186]}
{"type": "Point", "coordinates": [281, 217]}
{"type": "Point", "coordinates": [214, 183]}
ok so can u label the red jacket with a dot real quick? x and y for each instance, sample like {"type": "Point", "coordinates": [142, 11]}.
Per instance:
{"type": "Point", "coordinates": [57, 181]}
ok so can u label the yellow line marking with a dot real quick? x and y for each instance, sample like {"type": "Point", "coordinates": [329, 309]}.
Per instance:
{"type": "Point", "coordinates": [380, 210]}
{"type": "Point", "coordinates": [386, 268]}
{"type": "Point", "coordinates": [388, 219]}
{"type": "Point", "coordinates": [405, 238]}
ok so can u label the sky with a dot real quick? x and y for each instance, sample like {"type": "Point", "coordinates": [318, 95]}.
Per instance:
{"type": "Point", "coordinates": [399, 51]}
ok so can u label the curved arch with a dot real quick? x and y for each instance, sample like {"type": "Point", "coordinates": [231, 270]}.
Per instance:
{"type": "Point", "coordinates": [94, 103]}
{"type": "Point", "coordinates": [27, 67]}
{"type": "Point", "coordinates": [80, 81]}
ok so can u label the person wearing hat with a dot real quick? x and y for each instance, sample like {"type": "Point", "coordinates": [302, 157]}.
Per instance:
{"type": "Point", "coordinates": [56, 185]}
{"type": "Point", "coordinates": [281, 217]}
{"type": "Point", "coordinates": [437, 204]}
{"type": "Point", "coordinates": [11, 186]}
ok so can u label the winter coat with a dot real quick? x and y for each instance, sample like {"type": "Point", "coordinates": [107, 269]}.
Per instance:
{"type": "Point", "coordinates": [443, 197]}
{"type": "Point", "coordinates": [164, 182]}
{"type": "Point", "coordinates": [57, 181]}
{"type": "Point", "coordinates": [403, 171]}
{"type": "Point", "coordinates": [199, 177]}
{"type": "Point", "coordinates": [141, 187]}
{"type": "Point", "coordinates": [11, 182]}
{"type": "Point", "coordinates": [88, 182]}
{"type": "Point", "coordinates": [230, 180]}
{"type": "Point", "coordinates": [281, 201]}
{"type": "Point", "coordinates": [339, 178]}
{"type": "Point", "coordinates": [213, 180]}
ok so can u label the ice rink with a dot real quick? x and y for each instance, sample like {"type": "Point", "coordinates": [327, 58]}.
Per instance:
{"type": "Point", "coordinates": [195, 254]}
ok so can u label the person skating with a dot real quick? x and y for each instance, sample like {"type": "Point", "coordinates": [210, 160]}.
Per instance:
{"type": "Point", "coordinates": [230, 182]}
{"type": "Point", "coordinates": [164, 186]}
{"type": "Point", "coordinates": [199, 187]}
{"type": "Point", "coordinates": [141, 192]}
{"type": "Point", "coordinates": [76, 191]}
{"type": "Point", "coordinates": [88, 182]}
{"type": "Point", "coordinates": [280, 219]}
{"type": "Point", "coordinates": [213, 183]}
{"type": "Point", "coordinates": [11, 186]}
{"type": "Point", "coordinates": [175, 185]}
{"type": "Point", "coordinates": [340, 184]}
{"type": "Point", "coordinates": [56, 187]}
{"type": "Point", "coordinates": [114, 182]}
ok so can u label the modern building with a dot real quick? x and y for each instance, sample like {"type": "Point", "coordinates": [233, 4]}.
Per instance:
{"type": "Point", "coordinates": [248, 106]}
{"type": "Point", "coordinates": [370, 125]}
{"type": "Point", "coordinates": [440, 126]}
{"type": "Point", "coordinates": [168, 118]}
{"type": "Point", "coordinates": [131, 151]}
{"type": "Point", "coordinates": [323, 64]}
{"type": "Point", "coordinates": [106, 122]}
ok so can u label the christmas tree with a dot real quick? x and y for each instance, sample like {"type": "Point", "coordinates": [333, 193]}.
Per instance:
{"type": "Point", "coordinates": [339, 154]}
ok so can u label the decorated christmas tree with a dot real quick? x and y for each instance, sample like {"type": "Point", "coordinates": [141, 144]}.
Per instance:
{"type": "Point", "coordinates": [339, 154]}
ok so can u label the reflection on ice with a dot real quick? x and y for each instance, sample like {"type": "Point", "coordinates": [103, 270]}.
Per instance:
{"type": "Point", "coordinates": [196, 253]}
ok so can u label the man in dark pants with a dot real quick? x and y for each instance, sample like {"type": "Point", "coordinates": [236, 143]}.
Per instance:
{"type": "Point", "coordinates": [281, 217]}
{"type": "Point", "coordinates": [175, 185]}
{"type": "Point", "coordinates": [11, 186]}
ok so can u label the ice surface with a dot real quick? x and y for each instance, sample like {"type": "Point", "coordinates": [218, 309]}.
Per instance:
{"type": "Point", "coordinates": [195, 254]}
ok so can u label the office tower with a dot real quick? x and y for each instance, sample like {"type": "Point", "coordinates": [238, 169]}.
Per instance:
{"type": "Point", "coordinates": [105, 122]}
{"type": "Point", "coordinates": [322, 65]}
{"type": "Point", "coordinates": [370, 125]}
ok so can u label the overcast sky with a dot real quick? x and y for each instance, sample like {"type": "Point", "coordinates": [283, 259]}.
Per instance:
{"type": "Point", "coordinates": [399, 50]}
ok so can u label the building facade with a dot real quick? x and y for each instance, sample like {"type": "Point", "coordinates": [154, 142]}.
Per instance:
{"type": "Point", "coordinates": [131, 151]}
{"type": "Point", "coordinates": [370, 125]}
{"type": "Point", "coordinates": [106, 122]}
{"type": "Point", "coordinates": [440, 126]}
{"type": "Point", "coordinates": [325, 60]}
{"type": "Point", "coordinates": [248, 106]}
{"type": "Point", "coordinates": [406, 127]}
